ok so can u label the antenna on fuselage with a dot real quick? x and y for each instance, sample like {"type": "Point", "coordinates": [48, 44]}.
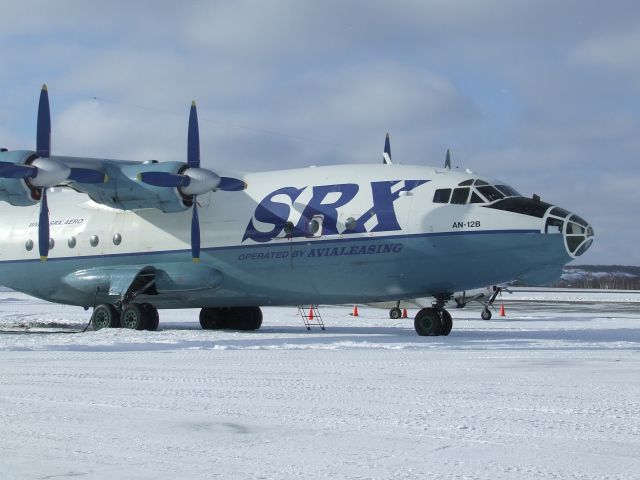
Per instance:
{"type": "Point", "coordinates": [386, 155]}
{"type": "Point", "coordinates": [447, 161]}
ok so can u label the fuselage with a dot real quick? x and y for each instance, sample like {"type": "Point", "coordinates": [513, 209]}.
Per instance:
{"type": "Point", "coordinates": [334, 234]}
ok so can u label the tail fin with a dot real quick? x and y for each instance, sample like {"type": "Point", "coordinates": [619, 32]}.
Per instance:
{"type": "Point", "coordinates": [386, 155]}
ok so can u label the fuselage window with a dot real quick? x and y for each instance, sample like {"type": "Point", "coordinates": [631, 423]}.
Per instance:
{"type": "Point", "coordinates": [442, 195]}
{"type": "Point", "coordinates": [475, 198]}
{"type": "Point", "coordinates": [460, 196]}
{"type": "Point", "coordinates": [490, 193]}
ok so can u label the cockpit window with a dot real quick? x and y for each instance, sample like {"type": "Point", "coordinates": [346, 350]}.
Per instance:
{"type": "Point", "coordinates": [466, 183]}
{"type": "Point", "coordinates": [508, 191]}
{"type": "Point", "coordinates": [559, 212]}
{"type": "Point", "coordinates": [490, 193]}
{"type": "Point", "coordinates": [480, 182]}
{"type": "Point", "coordinates": [460, 196]}
{"type": "Point", "coordinates": [442, 195]}
{"type": "Point", "coordinates": [475, 198]}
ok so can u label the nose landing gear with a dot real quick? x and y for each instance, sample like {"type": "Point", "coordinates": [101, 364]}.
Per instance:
{"type": "Point", "coordinates": [434, 321]}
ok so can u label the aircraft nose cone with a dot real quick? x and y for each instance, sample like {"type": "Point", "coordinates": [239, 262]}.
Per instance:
{"type": "Point", "coordinates": [578, 234]}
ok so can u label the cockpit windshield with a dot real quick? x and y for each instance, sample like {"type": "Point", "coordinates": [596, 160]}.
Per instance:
{"type": "Point", "coordinates": [474, 191]}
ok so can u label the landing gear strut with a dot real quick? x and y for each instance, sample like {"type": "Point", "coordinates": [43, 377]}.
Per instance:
{"type": "Point", "coordinates": [236, 318]}
{"type": "Point", "coordinates": [486, 313]}
{"type": "Point", "coordinates": [434, 321]}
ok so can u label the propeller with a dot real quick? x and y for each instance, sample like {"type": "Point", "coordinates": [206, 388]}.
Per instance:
{"type": "Point", "coordinates": [42, 172]}
{"type": "Point", "coordinates": [386, 156]}
{"type": "Point", "coordinates": [43, 150]}
{"type": "Point", "coordinates": [193, 180]}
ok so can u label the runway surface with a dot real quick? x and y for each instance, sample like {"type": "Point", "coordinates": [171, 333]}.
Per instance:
{"type": "Point", "coordinates": [550, 391]}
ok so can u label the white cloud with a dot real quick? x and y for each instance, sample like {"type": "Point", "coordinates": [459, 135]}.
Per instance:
{"type": "Point", "coordinates": [617, 50]}
{"type": "Point", "coordinates": [543, 95]}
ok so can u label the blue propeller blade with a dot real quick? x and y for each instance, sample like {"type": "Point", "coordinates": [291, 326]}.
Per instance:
{"type": "Point", "coordinates": [229, 184]}
{"type": "Point", "coordinates": [43, 136]}
{"type": "Point", "coordinates": [195, 234]}
{"type": "Point", "coordinates": [43, 227]}
{"type": "Point", "coordinates": [12, 170]}
{"type": "Point", "coordinates": [86, 175]}
{"type": "Point", "coordinates": [193, 139]}
{"type": "Point", "coordinates": [164, 179]}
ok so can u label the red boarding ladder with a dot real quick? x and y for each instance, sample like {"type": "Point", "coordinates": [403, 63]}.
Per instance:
{"type": "Point", "coordinates": [310, 316]}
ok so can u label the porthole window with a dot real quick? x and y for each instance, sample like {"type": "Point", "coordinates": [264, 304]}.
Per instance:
{"type": "Point", "coordinates": [28, 245]}
{"type": "Point", "coordinates": [288, 228]}
{"type": "Point", "coordinates": [351, 223]}
{"type": "Point", "coordinates": [314, 226]}
{"type": "Point", "coordinates": [71, 242]}
{"type": "Point", "coordinates": [117, 239]}
{"type": "Point", "coordinates": [51, 244]}
{"type": "Point", "coordinates": [94, 240]}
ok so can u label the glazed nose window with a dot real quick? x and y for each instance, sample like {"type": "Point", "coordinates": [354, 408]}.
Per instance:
{"type": "Point", "coordinates": [579, 235]}
{"type": "Point", "coordinates": [554, 225]}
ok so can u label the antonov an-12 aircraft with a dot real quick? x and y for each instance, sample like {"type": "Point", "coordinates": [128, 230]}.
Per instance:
{"type": "Point", "coordinates": [128, 238]}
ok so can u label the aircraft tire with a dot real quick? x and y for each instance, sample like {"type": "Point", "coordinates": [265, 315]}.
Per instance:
{"type": "Point", "coordinates": [245, 318]}
{"type": "Point", "coordinates": [257, 318]}
{"type": "Point", "coordinates": [447, 323]}
{"type": "Point", "coordinates": [486, 314]}
{"type": "Point", "coordinates": [395, 313]}
{"type": "Point", "coordinates": [213, 318]}
{"type": "Point", "coordinates": [133, 317]}
{"type": "Point", "coordinates": [105, 316]}
{"type": "Point", "coordinates": [152, 319]}
{"type": "Point", "coordinates": [428, 323]}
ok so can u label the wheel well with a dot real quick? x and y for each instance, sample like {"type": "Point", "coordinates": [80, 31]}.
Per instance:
{"type": "Point", "coordinates": [143, 283]}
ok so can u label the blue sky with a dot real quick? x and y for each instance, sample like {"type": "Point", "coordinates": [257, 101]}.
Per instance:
{"type": "Point", "coordinates": [543, 95]}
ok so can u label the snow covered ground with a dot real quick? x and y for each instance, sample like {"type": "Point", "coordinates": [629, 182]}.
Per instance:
{"type": "Point", "coordinates": [550, 391]}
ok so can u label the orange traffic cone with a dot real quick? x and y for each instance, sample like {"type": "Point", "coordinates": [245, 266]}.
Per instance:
{"type": "Point", "coordinates": [311, 313]}
{"type": "Point", "coordinates": [355, 311]}
{"type": "Point", "coordinates": [502, 314]}
{"type": "Point", "coordinates": [404, 313]}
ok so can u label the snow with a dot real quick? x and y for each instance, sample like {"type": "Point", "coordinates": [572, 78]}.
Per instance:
{"type": "Point", "coordinates": [550, 391]}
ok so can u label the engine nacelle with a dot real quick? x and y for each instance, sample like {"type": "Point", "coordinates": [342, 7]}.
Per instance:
{"type": "Point", "coordinates": [15, 190]}
{"type": "Point", "coordinates": [124, 190]}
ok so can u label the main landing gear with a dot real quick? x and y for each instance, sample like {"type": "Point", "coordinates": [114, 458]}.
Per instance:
{"type": "Point", "coordinates": [235, 318]}
{"type": "Point", "coordinates": [144, 316]}
{"type": "Point", "coordinates": [435, 320]}
{"type": "Point", "coordinates": [136, 316]}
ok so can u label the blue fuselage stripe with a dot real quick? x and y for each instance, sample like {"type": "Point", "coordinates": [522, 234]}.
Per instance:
{"type": "Point", "coordinates": [280, 244]}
